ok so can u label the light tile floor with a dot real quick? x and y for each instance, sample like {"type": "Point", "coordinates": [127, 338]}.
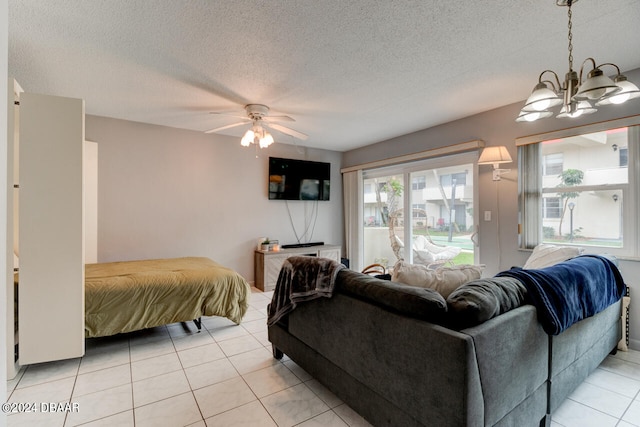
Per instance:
{"type": "Point", "coordinates": [226, 376]}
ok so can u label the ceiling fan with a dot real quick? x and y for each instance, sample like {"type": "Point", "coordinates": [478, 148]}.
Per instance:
{"type": "Point", "coordinates": [258, 116]}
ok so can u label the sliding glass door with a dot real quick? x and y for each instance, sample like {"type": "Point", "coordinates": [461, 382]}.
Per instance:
{"type": "Point", "coordinates": [442, 215]}
{"type": "Point", "coordinates": [421, 212]}
{"type": "Point", "coordinates": [383, 209]}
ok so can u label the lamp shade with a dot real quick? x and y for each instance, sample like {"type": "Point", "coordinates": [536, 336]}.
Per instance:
{"type": "Point", "coordinates": [582, 108]}
{"type": "Point", "coordinates": [541, 98]}
{"type": "Point", "coordinates": [494, 156]}
{"type": "Point", "coordinates": [247, 139]}
{"type": "Point", "coordinates": [596, 86]}
{"type": "Point", "coordinates": [266, 140]}
{"type": "Point", "coordinates": [532, 116]}
{"type": "Point", "coordinates": [627, 91]}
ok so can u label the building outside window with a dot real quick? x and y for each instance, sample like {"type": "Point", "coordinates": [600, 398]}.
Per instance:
{"type": "Point", "coordinates": [581, 189]}
{"type": "Point", "coordinates": [624, 157]}
{"type": "Point", "coordinates": [460, 179]}
{"type": "Point", "coordinates": [552, 164]}
{"type": "Point", "coordinates": [418, 182]}
{"type": "Point", "coordinates": [419, 210]}
{"type": "Point", "coordinates": [551, 207]}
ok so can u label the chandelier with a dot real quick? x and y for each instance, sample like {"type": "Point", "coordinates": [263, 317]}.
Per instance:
{"type": "Point", "coordinates": [576, 96]}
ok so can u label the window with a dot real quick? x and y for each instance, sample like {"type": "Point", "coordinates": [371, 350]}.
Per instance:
{"type": "Point", "coordinates": [581, 189]}
{"type": "Point", "coordinates": [430, 200]}
{"type": "Point", "coordinates": [419, 210]}
{"type": "Point", "coordinates": [460, 179]}
{"type": "Point", "coordinates": [551, 207]}
{"type": "Point", "coordinates": [552, 164]}
{"type": "Point", "coordinates": [418, 182]}
{"type": "Point", "coordinates": [624, 157]}
{"type": "Point", "coordinates": [368, 188]}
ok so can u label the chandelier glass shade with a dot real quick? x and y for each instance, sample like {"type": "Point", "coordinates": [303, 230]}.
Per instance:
{"type": "Point", "coordinates": [627, 91]}
{"type": "Point", "coordinates": [582, 108]}
{"type": "Point", "coordinates": [577, 96]}
{"type": "Point", "coordinates": [541, 99]}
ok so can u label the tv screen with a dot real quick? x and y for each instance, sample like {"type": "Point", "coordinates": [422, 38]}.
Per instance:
{"type": "Point", "coordinates": [291, 179]}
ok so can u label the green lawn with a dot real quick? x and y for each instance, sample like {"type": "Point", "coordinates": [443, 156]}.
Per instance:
{"type": "Point", "coordinates": [463, 258]}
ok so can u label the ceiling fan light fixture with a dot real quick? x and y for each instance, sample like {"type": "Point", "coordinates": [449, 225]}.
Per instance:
{"type": "Point", "coordinates": [258, 117]}
{"type": "Point", "coordinates": [247, 139]}
{"type": "Point", "coordinates": [266, 140]}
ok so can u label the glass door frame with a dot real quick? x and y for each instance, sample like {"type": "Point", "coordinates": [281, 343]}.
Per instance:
{"type": "Point", "coordinates": [405, 170]}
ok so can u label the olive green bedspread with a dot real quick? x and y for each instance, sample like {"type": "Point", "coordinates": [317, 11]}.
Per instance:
{"type": "Point", "coordinates": [132, 295]}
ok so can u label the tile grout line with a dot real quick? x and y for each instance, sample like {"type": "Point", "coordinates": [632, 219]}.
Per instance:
{"type": "Point", "coordinates": [133, 408]}
{"type": "Point", "coordinates": [75, 381]}
{"type": "Point", "coordinates": [184, 372]}
{"type": "Point", "coordinates": [254, 393]}
{"type": "Point", "coordinates": [110, 388]}
{"type": "Point", "coordinates": [628, 407]}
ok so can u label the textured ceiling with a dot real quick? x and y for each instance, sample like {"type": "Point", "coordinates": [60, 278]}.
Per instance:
{"type": "Point", "coordinates": [351, 73]}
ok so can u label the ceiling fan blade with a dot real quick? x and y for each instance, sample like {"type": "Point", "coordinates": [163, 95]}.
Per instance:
{"type": "Point", "coordinates": [225, 127]}
{"type": "Point", "coordinates": [278, 119]}
{"type": "Point", "coordinates": [289, 131]}
{"type": "Point", "coordinates": [220, 113]}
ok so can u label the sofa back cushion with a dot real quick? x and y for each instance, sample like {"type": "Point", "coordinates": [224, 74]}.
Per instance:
{"type": "Point", "coordinates": [480, 300]}
{"type": "Point", "coordinates": [442, 279]}
{"type": "Point", "coordinates": [546, 255]}
{"type": "Point", "coordinates": [421, 303]}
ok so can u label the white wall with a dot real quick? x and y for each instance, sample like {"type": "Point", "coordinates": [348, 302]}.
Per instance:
{"type": "Point", "coordinates": [499, 246]}
{"type": "Point", "coordinates": [166, 192]}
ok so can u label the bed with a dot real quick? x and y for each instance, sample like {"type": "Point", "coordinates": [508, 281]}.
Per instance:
{"type": "Point", "coordinates": [132, 295]}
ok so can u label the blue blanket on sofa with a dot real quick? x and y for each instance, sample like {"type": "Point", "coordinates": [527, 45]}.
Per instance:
{"type": "Point", "coordinates": [570, 291]}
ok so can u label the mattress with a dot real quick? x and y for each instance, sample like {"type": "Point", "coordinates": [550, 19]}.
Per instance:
{"type": "Point", "coordinates": [132, 295]}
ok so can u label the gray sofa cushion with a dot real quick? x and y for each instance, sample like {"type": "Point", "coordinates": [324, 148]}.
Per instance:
{"type": "Point", "coordinates": [413, 301]}
{"type": "Point", "coordinates": [480, 300]}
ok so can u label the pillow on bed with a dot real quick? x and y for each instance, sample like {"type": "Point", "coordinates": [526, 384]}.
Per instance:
{"type": "Point", "coordinates": [546, 255]}
{"type": "Point", "coordinates": [443, 279]}
{"type": "Point", "coordinates": [480, 300]}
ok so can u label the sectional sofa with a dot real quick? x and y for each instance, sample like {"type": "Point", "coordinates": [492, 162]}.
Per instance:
{"type": "Point", "coordinates": [392, 353]}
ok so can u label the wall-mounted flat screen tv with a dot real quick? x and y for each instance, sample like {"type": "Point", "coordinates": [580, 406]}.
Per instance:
{"type": "Point", "coordinates": [291, 179]}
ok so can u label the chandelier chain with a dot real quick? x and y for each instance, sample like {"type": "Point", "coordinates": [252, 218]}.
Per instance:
{"type": "Point", "coordinates": [570, 38]}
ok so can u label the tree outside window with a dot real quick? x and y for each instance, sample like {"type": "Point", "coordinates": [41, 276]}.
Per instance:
{"type": "Point", "coordinates": [568, 178]}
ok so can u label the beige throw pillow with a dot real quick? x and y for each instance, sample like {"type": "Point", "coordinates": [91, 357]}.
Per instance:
{"type": "Point", "coordinates": [546, 255]}
{"type": "Point", "coordinates": [444, 280]}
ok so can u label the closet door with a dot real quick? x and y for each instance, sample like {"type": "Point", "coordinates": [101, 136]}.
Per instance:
{"type": "Point", "coordinates": [13, 115]}
{"type": "Point", "coordinates": [90, 166]}
{"type": "Point", "coordinates": [51, 284]}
